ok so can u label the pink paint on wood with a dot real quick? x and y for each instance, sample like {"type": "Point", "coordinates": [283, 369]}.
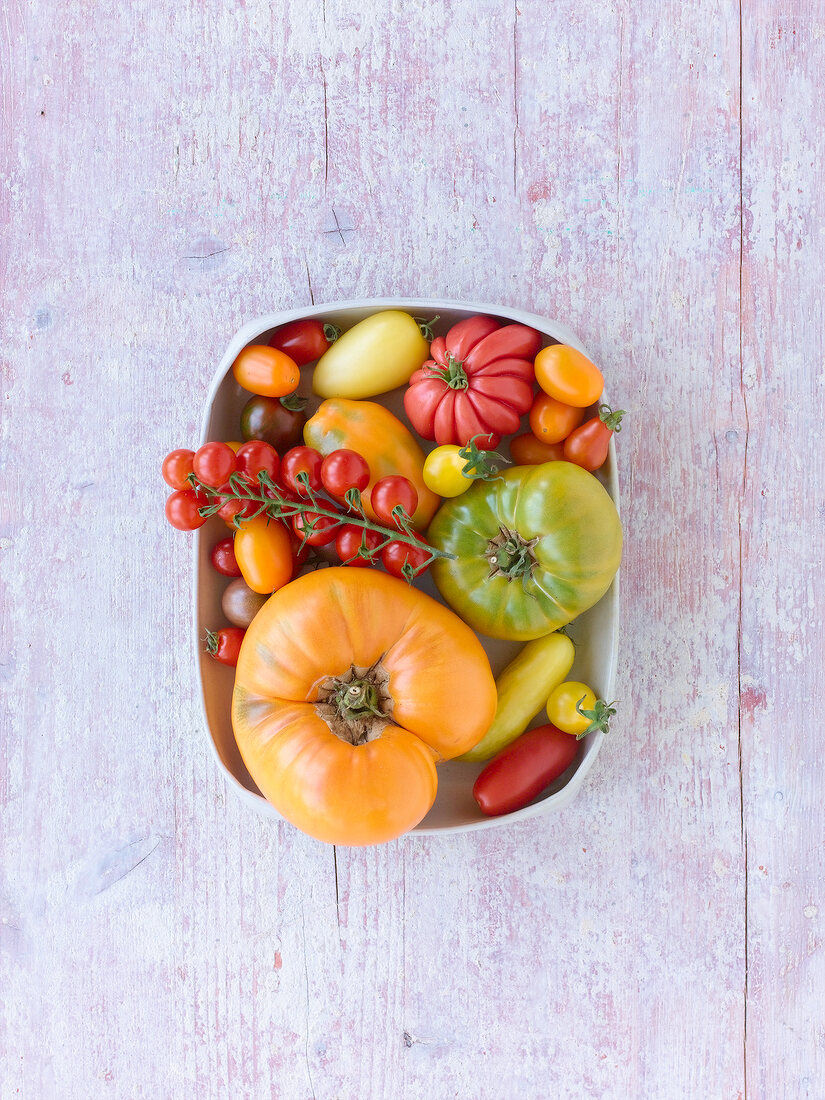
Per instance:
{"type": "Point", "coordinates": [167, 172]}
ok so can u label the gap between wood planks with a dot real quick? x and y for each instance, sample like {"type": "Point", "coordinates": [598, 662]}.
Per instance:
{"type": "Point", "coordinates": [742, 824]}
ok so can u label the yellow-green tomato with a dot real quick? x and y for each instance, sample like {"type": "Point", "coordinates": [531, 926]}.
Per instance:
{"type": "Point", "coordinates": [521, 688]}
{"type": "Point", "coordinates": [442, 471]}
{"type": "Point", "coordinates": [376, 355]}
{"type": "Point", "coordinates": [561, 707]}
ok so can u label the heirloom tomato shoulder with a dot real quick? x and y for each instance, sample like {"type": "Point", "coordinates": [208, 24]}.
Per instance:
{"type": "Point", "coordinates": [351, 686]}
{"type": "Point", "coordinates": [533, 549]}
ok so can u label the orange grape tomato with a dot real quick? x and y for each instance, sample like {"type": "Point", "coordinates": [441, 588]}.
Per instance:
{"type": "Point", "coordinates": [266, 371]}
{"type": "Point", "coordinates": [570, 377]}
{"type": "Point", "coordinates": [526, 450]}
{"type": "Point", "coordinates": [264, 554]}
{"type": "Point", "coordinates": [551, 421]}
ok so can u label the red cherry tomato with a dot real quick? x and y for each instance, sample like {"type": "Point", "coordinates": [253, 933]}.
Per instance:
{"type": "Point", "coordinates": [225, 645]}
{"type": "Point", "coordinates": [301, 467]}
{"type": "Point", "coordinates": [393, 492]}
{"type": "Point", "coordinates": [588, 445]}
{"type": "Point", "coordinates": [523, 770]}
{"type": "Point", "coordinates": [317, 530]}
{"type": "Point", "coordinates": [223, 558]}
{"type": "Point", "coordinates": [397, 555]}
{"type": "Point", "coordinates": [238, 507]}
{"type": "Point", "coordinates": [176, 468]}
{"type": "Point", "coordinates": [306, 340]}
{"type": "Point", "coordinates": [349, 542]}
{"type": "Point", "coordinates": [214, 463]}
{"type": "Point", "coordinates": [342, 470]}
{"type": "Point", "coordinates": [257, 456]}
{"type": "Point", "coordinates": [182, 509]}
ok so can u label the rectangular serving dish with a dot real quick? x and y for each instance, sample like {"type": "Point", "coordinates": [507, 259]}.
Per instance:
{"type": "Point", "coordinates": [595, 632]}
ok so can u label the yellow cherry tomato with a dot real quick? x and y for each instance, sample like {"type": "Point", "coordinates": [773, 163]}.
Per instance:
{"type": "Point", "coordinates": [570, 377]}
{"type": "Point", "coordinates": [378, 354]}
{"type": "Point", "coordinates": [234, 444]}
{"type": "Point", "coordinates": [442, 471]}
{"type": "Point", "coordinates": [264, 554]}
{"type": "Point", "coordinates": [563, 703]}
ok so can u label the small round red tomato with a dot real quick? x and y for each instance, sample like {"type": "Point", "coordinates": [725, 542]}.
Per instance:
{"type": "Point", "coordinates": [182, 509]}
{"type": "Point", "coordinates": [393, 492]}
{"type": "Point", "coordinates": [236, 506]}
{"type": "Point", "coordinates": [343, 470]}
{"type": "Point", "coordinates": [223, 559]}
{"type": "Point", "coordinates": [551, 421]}
{"type": "Point", "coordinates": [526, 450]}
{"type": "Point", "coordinates": [314, 529]}
{"type": "Point", "coordinates": [570, 377]}
{"type": "Point", "coordinates": [357, 545]}
{"type": "Point", "coordinates": [225, 645]}
{"type": "Point", "coordinates": [305, 340]}
{"type": "Point", "coordinates": [176, 468]}
{"type": "Point", "coordinates": [301, 470]}
{"type": "Point", "coordinates": [266, 371]}
{"type": "Point", "coordinates": [588, 445]}
{"type": "Point", "coordinates": [523, 770]}
{"type": "Point", "coordinates": [214, 463]}
{"type": "Point", "coordinates": [256, 457]}
{"type": "Point", "coordinates": [402, 560]}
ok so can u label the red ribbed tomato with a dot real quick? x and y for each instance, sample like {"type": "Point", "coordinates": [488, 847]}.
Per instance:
{"type": "Point", "coordinates": [478, 381]}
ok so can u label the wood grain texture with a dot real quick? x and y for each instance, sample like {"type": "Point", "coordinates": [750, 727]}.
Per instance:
{"type": "Point", "coordinates": [652, 178]}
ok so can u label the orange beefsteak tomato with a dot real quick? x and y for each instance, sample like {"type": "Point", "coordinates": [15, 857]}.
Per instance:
{"type": "Point", "coordinates": [351, 686]}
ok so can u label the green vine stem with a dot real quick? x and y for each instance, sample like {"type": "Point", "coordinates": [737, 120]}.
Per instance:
{"type": "Point", "coordinates": [274, 504]}
{"type": "Point", "coordinates": [478, 463]}
{"type": "Point", "coordinates": [611, 419]}
{"type": "Point", "coordinates": [599, 717]}
{"type": "Point", "coordinates": [426, 326]}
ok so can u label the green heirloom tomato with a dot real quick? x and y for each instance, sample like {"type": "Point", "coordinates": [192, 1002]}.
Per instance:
{"type": "Point", "coordinates": [533, 549]}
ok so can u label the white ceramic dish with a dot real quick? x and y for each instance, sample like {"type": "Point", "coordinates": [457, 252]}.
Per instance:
{"type": "Point", "coordinates": [595, 633]}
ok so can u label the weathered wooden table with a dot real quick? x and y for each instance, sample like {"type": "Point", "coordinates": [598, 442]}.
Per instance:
{"type": "Point", "coordinates": [652, 175]}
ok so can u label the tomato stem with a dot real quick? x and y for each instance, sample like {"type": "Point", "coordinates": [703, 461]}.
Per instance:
{"type": "Point", "coordinates": [611, 420]}
{"type": "Point", "coordinates": [479, 463]}
{"type": "Point", "coordinates": [426, 327]}
{"type": "Point", "coordinates": [599, 717]}
{"type": "Point", "coordinates": [274, 504]}
{"type": "Point", "coordinates": [452, 374]}
{"type": "Point", "coordinates": [511, 556]}
{"type": "Point", "coordinates": [331, 333]}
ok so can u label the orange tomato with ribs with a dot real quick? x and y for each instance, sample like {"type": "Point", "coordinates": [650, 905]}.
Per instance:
{"type": "Point", "coordinates": [351, 686]}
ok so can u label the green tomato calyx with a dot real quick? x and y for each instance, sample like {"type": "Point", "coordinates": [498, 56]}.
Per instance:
{"type": "Point", "coordinates": [453, 374]}
{"type": "Point", "coordinates": [357, 706]}
{"type": "Point", "coordinates": [293, 402]}
{"type": "Point", "coordinates": [599, 717]}
{"type": "Point", "coordinates": [511, 556]}
{"type": "Point", "coordinates": [480, 464]}
{"type": "Point", "coordinates": [611, 420]}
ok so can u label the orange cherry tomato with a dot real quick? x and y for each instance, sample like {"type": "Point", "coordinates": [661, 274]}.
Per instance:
{"type": "Point", "coordinates": [234, 444]}
{"type": "Point", "coordinates": [266, 371]}
{"type": "Point", "coordinates": [566, 374]}
{"type": "Point", "coordinates": [526, 450]}
{"type": "Point", "coordinates": [264, 554]}
{"type": "Point", "coordinates": [551, 421]}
